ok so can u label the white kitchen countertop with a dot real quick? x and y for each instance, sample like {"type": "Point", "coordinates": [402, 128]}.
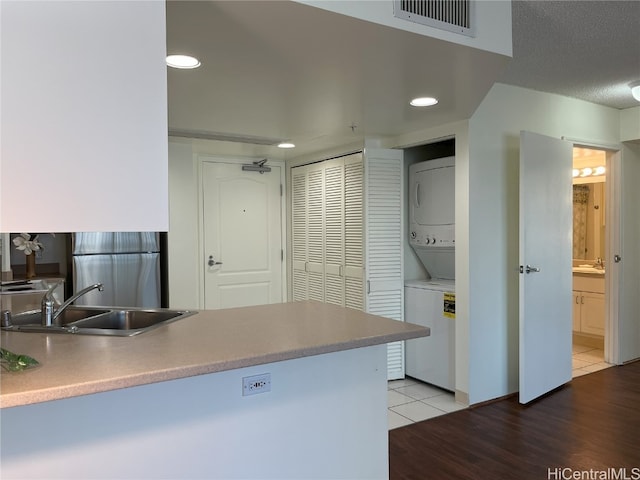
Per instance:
{"type": "Point", "coordinates": [207, 342]}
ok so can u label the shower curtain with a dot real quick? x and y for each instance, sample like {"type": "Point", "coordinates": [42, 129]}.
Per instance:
{"type": "Point", "coordinates": [580, 199]}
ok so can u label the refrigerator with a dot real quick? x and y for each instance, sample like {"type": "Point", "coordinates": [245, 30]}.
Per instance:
{"type": "Point", "coordinates": [128, 264]}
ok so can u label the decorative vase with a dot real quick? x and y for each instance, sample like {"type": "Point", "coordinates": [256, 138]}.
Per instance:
{"type": "Point", "coordinates": [31, 265]}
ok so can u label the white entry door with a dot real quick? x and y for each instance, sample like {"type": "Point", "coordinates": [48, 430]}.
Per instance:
{"type": "Point", "coordinates": [243, 256]}
{"type": "Point", "coordinates": [545, 264]}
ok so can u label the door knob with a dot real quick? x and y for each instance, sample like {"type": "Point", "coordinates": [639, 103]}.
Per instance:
{"type": "Point", "coordinates": [212, 262]}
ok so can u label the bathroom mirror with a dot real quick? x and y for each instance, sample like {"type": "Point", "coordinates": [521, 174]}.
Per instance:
{"type": "Point", "coordinates": [588, 221]}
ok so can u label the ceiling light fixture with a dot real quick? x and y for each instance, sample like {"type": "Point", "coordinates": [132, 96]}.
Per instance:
{"type": "Point", "coordinates": [286, 145]}
{"type": "Point", "coordinates": [589, 172]}
{"type": "Point", "coordinates": [182, 61]}
{"type": "Point", "coordinates": [423, 101]}
{"type": "Point", "coordinates": [635, 90]}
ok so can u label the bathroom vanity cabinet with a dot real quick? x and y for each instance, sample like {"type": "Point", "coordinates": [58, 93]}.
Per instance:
{"type": "Point", "coordinates": [588, 304]}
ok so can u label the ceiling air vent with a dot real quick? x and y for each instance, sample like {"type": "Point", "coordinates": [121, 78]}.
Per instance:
{"type": "Point", "coordinates": [453, 15]}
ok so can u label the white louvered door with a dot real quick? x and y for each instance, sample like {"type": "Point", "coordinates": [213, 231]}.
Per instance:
{"type": "Point", "coordinates": [347, 227]}
{"type": "Point", "coordinates": [308, 232]}
{"type": "Point", "coordinates": [315, 232]}
{"type": "Point", "coordinates": [327, 230]}
{"type": "Point", "coordinates": [300, 284]}
{"type": "Point", "coordinates": [354, 232]}
{"type": "Point", "coordinates": [334, 287]}
{"type": "Point", "coordinates": [383, 242]}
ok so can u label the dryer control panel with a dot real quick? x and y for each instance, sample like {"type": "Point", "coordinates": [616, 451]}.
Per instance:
{"type": "Point", "coordinates": [432, 236]}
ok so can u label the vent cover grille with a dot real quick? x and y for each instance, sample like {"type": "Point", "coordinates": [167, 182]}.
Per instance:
{"type": "Point", "coordinates": [453, 15]}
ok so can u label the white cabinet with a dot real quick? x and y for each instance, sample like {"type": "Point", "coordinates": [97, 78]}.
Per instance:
{"type": "Point", "coordinates": [84, 116]}
{"type": "Point", "coordinates": [588, 304]}
{"type": "Point", "coordinates": [347, 227]}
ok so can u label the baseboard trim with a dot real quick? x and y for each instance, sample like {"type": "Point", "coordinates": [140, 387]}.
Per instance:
{"type": "Point", "coordinates": [593, 341]}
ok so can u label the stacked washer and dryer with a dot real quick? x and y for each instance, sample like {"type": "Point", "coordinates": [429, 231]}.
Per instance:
{"type": "Point", "coordinates": [431, 303]}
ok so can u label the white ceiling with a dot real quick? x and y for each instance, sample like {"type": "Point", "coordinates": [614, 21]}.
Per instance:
{"type": "Point", "coordinates": [283, 70]}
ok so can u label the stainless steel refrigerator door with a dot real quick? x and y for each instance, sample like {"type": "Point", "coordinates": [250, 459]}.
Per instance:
{"type": "Point", "coordinates": [130, 280]}
{"type": "Point", "coordinates": [88, 243]}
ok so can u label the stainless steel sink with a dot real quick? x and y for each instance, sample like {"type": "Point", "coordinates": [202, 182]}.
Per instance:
{"type": "Point", "coordinates": [70, 315]}
{"type": "Point", "coordinates": [123, 322]}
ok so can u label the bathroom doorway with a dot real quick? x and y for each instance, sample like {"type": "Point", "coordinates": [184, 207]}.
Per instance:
{"type": "Point", "coordinates": [589, 265]}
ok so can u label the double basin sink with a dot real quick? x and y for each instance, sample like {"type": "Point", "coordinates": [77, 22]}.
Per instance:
{"type": "Point", "coordinates": [122, 322]}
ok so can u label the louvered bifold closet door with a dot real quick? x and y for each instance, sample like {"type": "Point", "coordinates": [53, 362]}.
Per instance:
{"type": "Point", "coordinates": [334, 231]}
{"type": "Point", "coordinates": [354, 231]}
{"type": "Point", "coordinates": [383, 239]}
{"type": "Point", "coordinates": [299, 232]}
{"type": "Point", "coordinates": [315, 232]}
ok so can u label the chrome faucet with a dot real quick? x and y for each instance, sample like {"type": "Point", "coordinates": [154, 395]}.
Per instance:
{"type": "Point", "coordinates": [49, 312]}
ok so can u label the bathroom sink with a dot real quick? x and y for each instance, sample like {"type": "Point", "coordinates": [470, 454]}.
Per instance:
{"type": "Point", "coordinates": [123, 322]}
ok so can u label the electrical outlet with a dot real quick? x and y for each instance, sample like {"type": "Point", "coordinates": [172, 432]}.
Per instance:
{"type": "Point", "coordinates": [256, 384]}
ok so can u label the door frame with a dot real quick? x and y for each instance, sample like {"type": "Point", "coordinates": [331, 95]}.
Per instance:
{"type": "Point", "coordinates": [613, 200]}
{"type": "Point", "coordinates": [239, 160]}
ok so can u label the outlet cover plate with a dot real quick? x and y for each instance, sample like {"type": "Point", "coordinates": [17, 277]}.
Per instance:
{"type": "Point", "coordinates": [256, 384]}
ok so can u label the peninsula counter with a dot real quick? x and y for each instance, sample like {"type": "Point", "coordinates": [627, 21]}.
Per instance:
{"type": "Point", "coordinates": [169, 403]}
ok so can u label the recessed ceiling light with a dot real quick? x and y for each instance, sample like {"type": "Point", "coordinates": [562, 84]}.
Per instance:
{"type": "Point", "coordinates": [182, 61]}
{"type": "Point", "coordinates": [286, 145]}
{"type": "Point", "coordinates": [635, 90]}
{"type": "Point", "coordinates": [423, 101]}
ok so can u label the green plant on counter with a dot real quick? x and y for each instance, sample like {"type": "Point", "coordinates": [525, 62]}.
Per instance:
{"type": "Point", "coordinates": [16, 363]}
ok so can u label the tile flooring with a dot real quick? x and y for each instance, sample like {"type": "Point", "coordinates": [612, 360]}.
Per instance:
{"type": "Point", "coordinates": [413, 401]}
{"type": "Point", "coordinates": [587, 360]}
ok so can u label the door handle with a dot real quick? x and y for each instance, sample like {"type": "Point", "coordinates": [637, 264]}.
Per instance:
{"type": "Point", "coordinates": [212, 262]}
{"type": "Point", "coordinates": [528, 269]}
{"type": "Point", "coordinates": [617, 258]}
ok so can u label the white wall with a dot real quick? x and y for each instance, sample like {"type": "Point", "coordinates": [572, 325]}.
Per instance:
{"type": "Point", "coordinates": [332, 427]}
{"type": "Point", "coordinates": [183, 237]}
{"type": "Point", "coordinates": [630, 125]}
{"type": "Point", "coordinates": [493, 218]}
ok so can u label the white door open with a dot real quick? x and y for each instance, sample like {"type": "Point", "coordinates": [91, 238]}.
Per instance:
{"type": "Point", "coordinates": [243, 256]}
{"type": "Point", "coordinates": [545, 264]}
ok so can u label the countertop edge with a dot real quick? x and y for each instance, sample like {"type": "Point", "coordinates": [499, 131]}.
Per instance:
{"type": "Point", "coordinates": [146, 378]}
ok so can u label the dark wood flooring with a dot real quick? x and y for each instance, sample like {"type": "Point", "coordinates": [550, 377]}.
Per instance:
{"type": "Point", "coordinates": [591, 423]}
